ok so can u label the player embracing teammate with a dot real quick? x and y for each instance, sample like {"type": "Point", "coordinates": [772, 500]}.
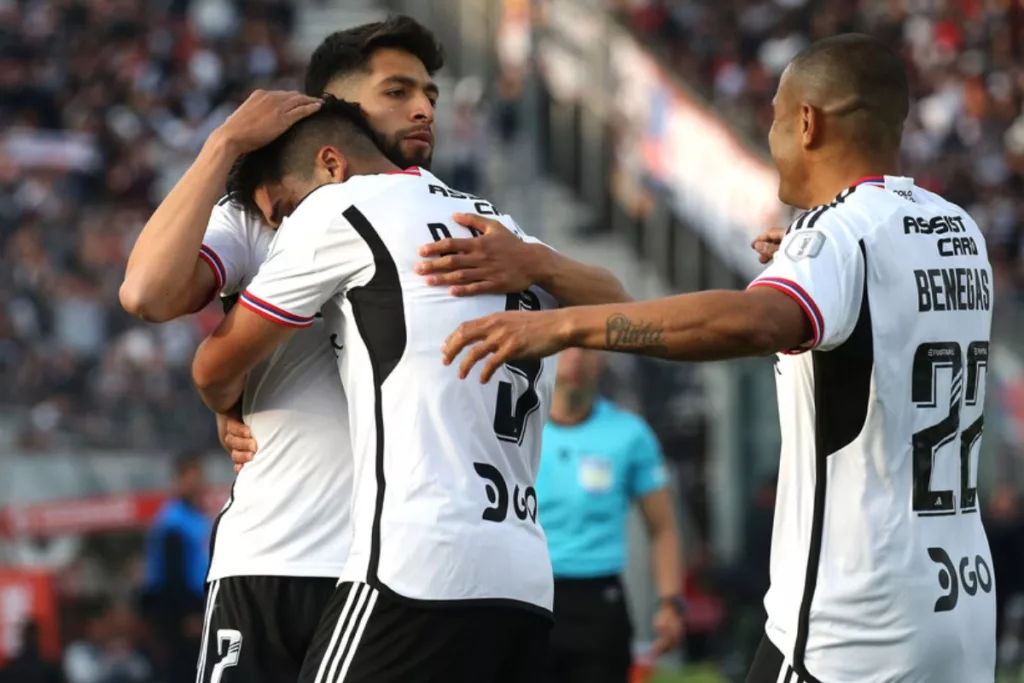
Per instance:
{"type": "Point", "coordinates": [285, 535]}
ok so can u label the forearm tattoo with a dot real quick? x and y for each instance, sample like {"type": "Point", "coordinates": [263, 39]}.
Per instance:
{"type": "Point", "coordinates": [623, 334]}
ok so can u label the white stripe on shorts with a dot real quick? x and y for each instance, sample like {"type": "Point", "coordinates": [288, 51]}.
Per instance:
{"type": "Point", "coordinates": [363, 621]}
{"type": "Point", "coordinates": [211, 601]}
{"type": "Point", "coordinates": [789, 675]}
{"type": "Point", "coordinates": [347, 632]}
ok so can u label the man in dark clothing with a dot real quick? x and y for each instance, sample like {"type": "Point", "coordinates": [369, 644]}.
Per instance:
{"type": "Point", "coordinates": [29, 666]}
{"type": "Point", "coordinates": [177, 559]}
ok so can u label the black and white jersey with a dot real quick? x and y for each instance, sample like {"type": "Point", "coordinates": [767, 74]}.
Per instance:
{"type": "Point", "coordinates": [444, 506]}
{"type": "Point", "coordinates": [282, 518]}
{"type": "Point", "coordinates": [880, 567]}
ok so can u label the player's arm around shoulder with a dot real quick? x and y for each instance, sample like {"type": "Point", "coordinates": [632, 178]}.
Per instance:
{"type": "Point", "coordinates": [267, 313]}
{"type": "Point", "coordinates": [311, 259]}
{"type": "Point", "coordinates": [503, 261]}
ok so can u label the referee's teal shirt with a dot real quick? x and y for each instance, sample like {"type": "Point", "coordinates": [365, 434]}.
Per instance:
{"type": "Point", "coordinates": [590, 473]}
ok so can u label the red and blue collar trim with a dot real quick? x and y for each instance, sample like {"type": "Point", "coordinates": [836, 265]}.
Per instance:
{"type": "Point", "coordinates": [412, 170]}
{"type": "Point", "coordinates": [876, 180]}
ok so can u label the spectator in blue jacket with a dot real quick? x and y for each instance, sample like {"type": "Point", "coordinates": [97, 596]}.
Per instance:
{"type": "Point", "coordinates": [177, 559]}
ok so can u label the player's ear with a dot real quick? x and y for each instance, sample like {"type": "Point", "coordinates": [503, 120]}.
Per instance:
{"type": "Point", "coordinates": [333, 163]}
{"type": "Point", "coordinates": [810, 126]}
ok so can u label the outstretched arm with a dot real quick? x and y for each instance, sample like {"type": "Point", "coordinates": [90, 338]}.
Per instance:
{"type": "Point", "coordinates": [500, 262]}
{"type": "Point", "coordinates": [713, 325]}
{"type": "Point", "coordinates": [812, 296]}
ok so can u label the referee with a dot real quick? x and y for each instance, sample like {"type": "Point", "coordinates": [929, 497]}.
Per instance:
{"type": "Point", "coordinates": [596, 460]}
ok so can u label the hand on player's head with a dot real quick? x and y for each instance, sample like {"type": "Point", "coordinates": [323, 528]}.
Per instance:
{"type": "Point", "coordinates": [264, 116]}
{"type": "Point", "coordinates": [322, 148]}
{"type": "Point", "coordinates": [496, 262]}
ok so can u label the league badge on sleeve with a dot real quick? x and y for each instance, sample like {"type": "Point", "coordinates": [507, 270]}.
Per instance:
{"type": "Point", "coordinates": [805, 244]}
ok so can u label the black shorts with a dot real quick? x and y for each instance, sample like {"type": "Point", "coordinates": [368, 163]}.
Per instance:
{"type": "Point", "coordinates": [770, 666]}
{"type": "Point", "coordinates": [591, 641]}
{"type": "Point", "coordinates": [369, 636]}
{"type": "Point", "coordinates": [257, 628]}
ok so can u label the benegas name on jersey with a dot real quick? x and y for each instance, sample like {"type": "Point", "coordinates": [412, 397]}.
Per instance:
{"type": "Point", "coordinates": [949, 289]}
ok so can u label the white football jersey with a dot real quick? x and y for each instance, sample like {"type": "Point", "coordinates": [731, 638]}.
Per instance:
{"type": "Point", "coordinates": [444, 503]}
{"type": "Point", "coordinates": [283, 517]}
{"type": "Point", "coordinates": [880, 567]}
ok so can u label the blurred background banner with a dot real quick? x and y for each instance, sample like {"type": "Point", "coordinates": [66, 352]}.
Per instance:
{"type": "Point", "coordinates": [629, 133]}
{"type": "Point", "coordinates": [27, 595]}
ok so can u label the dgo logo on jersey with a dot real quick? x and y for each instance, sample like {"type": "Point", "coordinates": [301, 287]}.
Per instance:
{"type": "Point", "coordinates": [524, 501]}
{"type": "Point", "coordinates": [969, 574]}
{"type": "Point", "coordinates": [805, 244]}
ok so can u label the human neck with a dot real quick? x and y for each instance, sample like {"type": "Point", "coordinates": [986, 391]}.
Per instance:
{"type": "Point", "coordinates": [371, 166]}
{"type": "Point", "coordinates": [841, 171]}
{"type": "Point", "coordinates": [571, 407]}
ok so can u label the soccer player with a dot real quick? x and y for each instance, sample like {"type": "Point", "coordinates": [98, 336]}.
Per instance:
{"type": "Point", "coordinates": [282, 539]}
{"type": "Point", "coordinates": [879, 302]}
{"type": "Point", "coordinates": [448, 577]}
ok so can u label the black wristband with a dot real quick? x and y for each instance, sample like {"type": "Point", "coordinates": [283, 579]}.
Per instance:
{"type": "Point", "coordinates": [676, 602]}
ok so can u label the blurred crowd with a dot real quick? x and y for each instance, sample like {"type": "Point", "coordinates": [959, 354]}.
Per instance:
{"type": "Point", "coordinates": [103, 104]}
{"type": "Point", "coordinates": [965, 135]}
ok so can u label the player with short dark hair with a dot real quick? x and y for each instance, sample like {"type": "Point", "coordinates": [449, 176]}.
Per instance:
{"type": "Point", "coordinates": [283, 537]}
{"type": "Point", "coordinates": [343, 53]}
{"type": "Point", "coordinates": [880, 567]}
{"type": "Point", "coordinates": [288, 155]}
{"type": "Point", "coordinates": [449, 576]}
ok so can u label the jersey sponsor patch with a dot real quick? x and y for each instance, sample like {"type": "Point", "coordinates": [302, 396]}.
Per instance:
{"type": "Point", "coordinates": [806, 244]}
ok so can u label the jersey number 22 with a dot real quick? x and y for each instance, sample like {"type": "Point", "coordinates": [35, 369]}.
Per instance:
{"type": "Point", "coordinates": [929, 358]}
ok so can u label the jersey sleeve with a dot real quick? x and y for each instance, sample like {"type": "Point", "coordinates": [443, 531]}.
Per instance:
{"type": "Point", "coordinates": [647, 467]}
{"type": "Point", "coordinates": [226, 249]}
{"type": "Point", "coordinates": [823, 271]}
{"type": "Point", "coordinates": [312, 258]}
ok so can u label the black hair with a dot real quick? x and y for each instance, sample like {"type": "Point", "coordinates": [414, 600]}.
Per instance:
{"type": "Point", "coordinates": [337, 123]}
{"type": "Point", "coordinates": [343, 53]}
{"type": "Point", "coordinates": [867, 77]}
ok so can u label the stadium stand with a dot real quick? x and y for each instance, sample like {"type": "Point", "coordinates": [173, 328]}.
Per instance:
{"type": "Point", "coordinates": [103, 104]}
{"type": "Point", "coordinates": [965, 135]}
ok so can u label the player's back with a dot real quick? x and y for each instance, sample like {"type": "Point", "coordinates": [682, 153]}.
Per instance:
{"type": "Point", "coordinates": [880, 566]}
{"type": "Point", "coordinates": [281, 518]}
{"type": "Point", "coordinates": [445, 507]}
